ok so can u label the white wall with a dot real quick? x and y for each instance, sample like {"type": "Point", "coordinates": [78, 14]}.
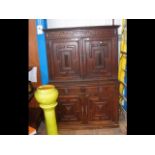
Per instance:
{"type": "Point", "coordinates": [59, 23]}
{"type": "Point", "coordinates": [62, 23]}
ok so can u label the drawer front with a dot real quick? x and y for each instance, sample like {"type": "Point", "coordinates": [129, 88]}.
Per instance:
{"type": "Point", "coordinates": [72, 90]}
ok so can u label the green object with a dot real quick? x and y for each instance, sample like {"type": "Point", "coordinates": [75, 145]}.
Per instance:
{"type": "Point", "coordinates": [46, 96]}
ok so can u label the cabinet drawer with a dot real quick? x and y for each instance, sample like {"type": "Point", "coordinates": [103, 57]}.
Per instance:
{"type": "Point", "coordinates": [104, 91]}
{"type": "Point", "coordinates": [69, 90]}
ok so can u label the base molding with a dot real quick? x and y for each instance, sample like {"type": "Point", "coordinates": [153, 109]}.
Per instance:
{"type": "Point", "coordinates": [91, 125]}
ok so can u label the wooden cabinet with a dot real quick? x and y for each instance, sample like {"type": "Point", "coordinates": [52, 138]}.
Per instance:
{"type": "Point", "coordinates": [82, 64]}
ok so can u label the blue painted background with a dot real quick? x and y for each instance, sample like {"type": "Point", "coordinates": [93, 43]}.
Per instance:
{"type": "Point", "coordinates": [42, 51]}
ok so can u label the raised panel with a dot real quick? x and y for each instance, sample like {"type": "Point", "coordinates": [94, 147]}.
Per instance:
{"type": "Point", "coordinates": [69, 109]}
{"type": "Point", "coordinates": [100, 102]}
{"type": "Point", "coordinates": [64, 59]}
{"type": "Point", "coordinates": [98, 62]}
{"type": "Point", "coordinates": [98, 109]}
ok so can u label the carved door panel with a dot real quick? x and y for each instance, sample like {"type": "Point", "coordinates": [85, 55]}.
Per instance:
{"type": "Point", "coordinates": [69, 109]}
{"type": "Point", "coordinates": [100, 105]}
{"type": "Point", "coordinates": [98, 61]}
{"type": "Point", "coordinates": [98, 109]}
{"type": "Point", "coordinates": [64, 59]}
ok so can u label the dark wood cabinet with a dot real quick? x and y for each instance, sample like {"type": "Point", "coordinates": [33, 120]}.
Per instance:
{"type": "Point", "coordinates": [83, 65]}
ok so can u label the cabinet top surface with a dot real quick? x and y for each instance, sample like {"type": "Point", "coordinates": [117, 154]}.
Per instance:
{"type": "Point", "coordinates": [83, 27]}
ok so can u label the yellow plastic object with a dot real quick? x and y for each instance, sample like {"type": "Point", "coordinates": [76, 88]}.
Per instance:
{"type": "Point", "coordinates": [124, 36]}
{"type": "Point", "coordinates": [46, 96]}
{"type": "Point", "coordinates": [123, 56]}
{"type": "Point", "coordinates": [122, 67]}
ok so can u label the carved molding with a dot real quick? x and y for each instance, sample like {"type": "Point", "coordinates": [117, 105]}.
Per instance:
{"type": "Point", "coordinates": [79, 33]}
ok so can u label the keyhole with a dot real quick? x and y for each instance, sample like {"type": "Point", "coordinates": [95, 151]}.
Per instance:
{"type": "Point", "coordinates": [66, 61]}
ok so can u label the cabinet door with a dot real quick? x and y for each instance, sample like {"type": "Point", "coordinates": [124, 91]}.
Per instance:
{"type": "Point", "coordinates": [64, 59]}
{"type": "Point", "coordinates": [101, 103]}
{"type": "Point", "coordinates": [70, 107]}
{"type": "Point", "coordinates": [100, 60]}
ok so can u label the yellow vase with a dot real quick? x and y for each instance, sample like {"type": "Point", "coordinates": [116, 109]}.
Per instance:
{"type": "Point", "coordinates": [46, 96]}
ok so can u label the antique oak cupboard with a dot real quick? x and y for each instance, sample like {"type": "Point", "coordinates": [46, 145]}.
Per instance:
{"type": "Point", "coordinates": [83, 65]}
